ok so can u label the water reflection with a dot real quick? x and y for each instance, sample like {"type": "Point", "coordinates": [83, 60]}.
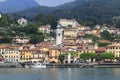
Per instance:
{"type": "Point", "coordinates": [60, 74]}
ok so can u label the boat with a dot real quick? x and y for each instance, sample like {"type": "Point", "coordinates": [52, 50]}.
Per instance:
{"type": "Point", "coordinates": [38, 65]}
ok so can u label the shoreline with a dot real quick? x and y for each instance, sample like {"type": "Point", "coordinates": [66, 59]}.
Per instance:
{"type": "Point", "coordinates": [58, 65]}
{"type": "Point", "coordinates": [85, 65]}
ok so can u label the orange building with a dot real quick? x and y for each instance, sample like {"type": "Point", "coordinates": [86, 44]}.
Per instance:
{"type": "Point", "coordinates": [54, 54]}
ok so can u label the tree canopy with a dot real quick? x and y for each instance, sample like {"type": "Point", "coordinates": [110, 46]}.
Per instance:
{"type": "Point", "coordinates": [107, 56]}
{"type": "Point", "coordinates": [87, 56]}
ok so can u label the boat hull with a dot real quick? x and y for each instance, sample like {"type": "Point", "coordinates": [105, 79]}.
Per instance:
{"type": "Point", "coordinates": [37, 66]}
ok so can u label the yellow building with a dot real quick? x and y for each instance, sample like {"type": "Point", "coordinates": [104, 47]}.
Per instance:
{"type": "Point", "coordinates": [40, 55]}
{"type": "Point", "coordinates": [80, 28]}
{"type": "Point", "coordinates": [69, 45]}
{"type": "Point", "coordinates": [12, 56]}
{"type": "Point", "coordinates": [70, 40]}
{"type": "Point", "coordinates": [44, 29]}
{"type": "Point", "coordinates": [80, 51]}
{"type": "Point", "coordinates": [68, 22]}
{"type": "Point", "coordinates": [70, 32]}
{"type": "Point", "coordinates": [54, 54]}
{"type": "Point", "coordinates": [44, 49]}
{"type": "Point", "coordinates": [26, 55]}
{"type": "Point", "coordinates": [114, 48]}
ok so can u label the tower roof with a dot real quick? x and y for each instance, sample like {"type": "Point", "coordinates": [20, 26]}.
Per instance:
{"type": "Point", "coordinates": [59, 26]}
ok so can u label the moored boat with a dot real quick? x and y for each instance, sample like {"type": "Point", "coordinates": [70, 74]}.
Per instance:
{"type": "Point", "coordinates": [38, 65]}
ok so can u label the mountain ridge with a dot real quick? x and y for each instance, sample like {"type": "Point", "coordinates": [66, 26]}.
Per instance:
{"type": "Point", "coordinates": [92, 11]}
{"type": "Point", "coordinates": [9, 6]}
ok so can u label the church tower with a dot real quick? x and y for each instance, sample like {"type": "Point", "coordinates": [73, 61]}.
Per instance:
{"type": "Point", "coordinates": [59, 35]}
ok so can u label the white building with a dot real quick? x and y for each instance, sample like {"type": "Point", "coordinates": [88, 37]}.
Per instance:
{"type": "Point", "coordinates": [3, 49]}
{"type": "Point", "coordinates": [0, 15]}
{"type": "Point", "coordinates": [59, 35]}
{"type": "Point", "coordinates": [22, 22]}
{"type": "Point", "coordinates": [20, 40]}
{"type": "Point", "coordinates": [12, 56]}
{"type": "Point", "coordinates": [49, 39]}
{"type": "Point", "coordinates": [68, 22]}
{"type": "Point", "coordinates": [114, 48]}
{"type": "Point", "coordinates": [44, 29]}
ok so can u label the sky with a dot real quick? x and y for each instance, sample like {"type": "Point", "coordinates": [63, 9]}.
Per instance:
{"type": "Point", "coordinates": [2, 0]}
{"type": "Point", "coordinates": [49, 2]}
{"type": "Point", "coordinates": [52, 2]}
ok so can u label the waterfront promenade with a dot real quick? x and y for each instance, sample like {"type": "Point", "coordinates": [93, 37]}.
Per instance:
{"type": "Point", "coordinates": [59, 65]}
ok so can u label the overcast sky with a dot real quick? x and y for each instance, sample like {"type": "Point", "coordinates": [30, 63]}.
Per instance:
{"type": "Point", "coordinates": [49, 2]}
{"type": "Point", "coordinates": [53, 2]}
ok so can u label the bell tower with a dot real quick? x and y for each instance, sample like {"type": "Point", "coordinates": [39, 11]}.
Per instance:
{"type": "Point", "coordinates": [59, 35]}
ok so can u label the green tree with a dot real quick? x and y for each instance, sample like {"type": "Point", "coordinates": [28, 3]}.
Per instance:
{"type": "Point", "coordinates": [53, 34]}
{"type": "Point", "coordinates": [6, 39]}
{"type": "Point", "coordinates": [81, 22]}
{"type": "Point", "coordinates": [103, 44]}
{"type": "Point", "coordinates": [63, 55]}
{"type": "Point", "coordinates": [31, 28]}
{"type": "Point", "coordinates": [73, 54]}
{"type": "Point", "coordinates": [47, 19]}
{"type": "Point", "coordinates": [94, 38]}
{"type": "Point", "coordinates": [87, 56]}
{"type": "Point", "coordinates": [107, 56]}
{"type": "Point", "coordinates": [4, 21]}
{"type": "Point", "coordinates": [106, 35]}
{"type": "Point", "coordinates": [36, 38]}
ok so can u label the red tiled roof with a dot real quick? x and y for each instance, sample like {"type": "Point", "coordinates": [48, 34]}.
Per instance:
{"type": "Point", "coordinates": [101, 49]}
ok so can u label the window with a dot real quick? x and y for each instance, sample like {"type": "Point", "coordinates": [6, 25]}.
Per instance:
{"type": "Point", "coordinates": [55, 51]}
{"type": "Point", "coordinates": [58, 34]}
{"type": "Point", "coordinates": [55, 57]}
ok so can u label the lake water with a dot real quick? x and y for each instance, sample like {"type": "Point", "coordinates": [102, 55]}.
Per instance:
{"type": "Point", "coordinates": [60, 74]}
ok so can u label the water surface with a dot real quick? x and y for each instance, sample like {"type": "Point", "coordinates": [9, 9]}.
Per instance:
{"type": "Point", "coordinates": [60, 74]}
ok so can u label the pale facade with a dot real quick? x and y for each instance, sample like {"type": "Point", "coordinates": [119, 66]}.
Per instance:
{"type": "Point", "coordinates": [20, 40]}
{"type": "Point", "coordinates": [3, 49]}
{"type": "Point", "coordinates": [12, 56]}
{"type": "Point", "coordinates": [44, 29]}
{"type": "Point", "coordinates": [68, 22]}
{"type": "Point", "coordinates": [0, 15]}
{"type": "Point", "coordinates": [114, 48]}
{"type": "Point", "coordinates": [22, 22]}
{"type": "Point", "coordinates": [59, 35]}
{"type": "Point", "coordinates": [81, 28]}
{"type": "Point", "coordinates": [70, 32]}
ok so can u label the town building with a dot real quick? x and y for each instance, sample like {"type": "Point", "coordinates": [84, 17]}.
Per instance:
{"type": "Point", "coordinates": [59, 35]}
{"type": "Point", "coordinates": [114, 48]}
{"type": "Point", "coordinates": [85, 48]}
{"type": "Point", "coordinates": [22, 22]}
{"type": "Point", "coordinates": [70, 32]}
{"type": "Point", "coordinates": [68, 22]}
{"type": "Point", "coordinates": [100, 50]}
{"type": "Point", "coordinates": [0, 15]}
{"type": "Point", "coordinates": [51, 39]}
{"type": "Point", "coordinates": [54, 53]}
{"type": "Point", "coordinates": [20, 40]}
{"type": "Point", "coordinates": [26, 55]}
{"type": "Point", "coordinates": [80, 27]}
{"type": "Point", "coordinates": [39, 55]}
{"type": "Point", "coordinates": [70, 38]}
{"type": "Point", "coordinates": [12, 56]}
{"type": "Point", "coordinates": [3, 48]}
{"type": "Point", "coordinates": [44, 29]}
